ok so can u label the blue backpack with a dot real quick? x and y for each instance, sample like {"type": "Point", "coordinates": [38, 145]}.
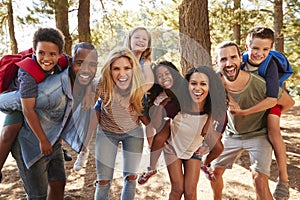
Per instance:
{"type": "Point", "coordinates": [285, 69]}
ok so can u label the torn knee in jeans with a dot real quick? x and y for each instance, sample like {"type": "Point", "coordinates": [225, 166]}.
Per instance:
{"type": "Point", "coordinates": [131, 177]}
{"type": "Point", "coordinates": [102, 182]}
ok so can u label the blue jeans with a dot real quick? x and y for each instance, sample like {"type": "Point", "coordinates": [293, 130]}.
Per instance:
{"type": "Point", "coordinates": [106, 152]}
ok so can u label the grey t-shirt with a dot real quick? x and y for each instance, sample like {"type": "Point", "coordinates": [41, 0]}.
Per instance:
{"type": "Point", "coordinates": [256, 123]}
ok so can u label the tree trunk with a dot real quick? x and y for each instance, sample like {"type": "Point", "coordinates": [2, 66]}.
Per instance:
{"type": "Point", "coordinates": [62, 22]}
{"type": "Point", "coordinates": [194, 34]}
{"type": "Point", "coordinates": [236, 25]}
{"type": "Point", "coordinates": [278, 24]}
{"type": "Point", "coordinates": [11, 27]}
{"type": "Point", "coordinates": [84, 30]}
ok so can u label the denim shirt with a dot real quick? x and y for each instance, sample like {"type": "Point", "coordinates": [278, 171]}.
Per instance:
{"type": "Point", "coordinates": [54, 106]}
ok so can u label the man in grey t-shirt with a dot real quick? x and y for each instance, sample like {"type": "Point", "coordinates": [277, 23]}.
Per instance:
{"type": "Point", "coordinates": [247, 132]}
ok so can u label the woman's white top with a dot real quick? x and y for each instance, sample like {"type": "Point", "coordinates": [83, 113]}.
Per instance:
{"type": "Point", "coordinates": [186, 136]}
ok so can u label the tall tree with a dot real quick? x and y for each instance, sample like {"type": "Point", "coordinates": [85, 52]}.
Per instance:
{"type": "Point", "coordinates": [237, 25]}
{"type": "Point", "coordinates": [194, 34]}
{"type": "Point", "coordinates": [11, 27]}
{"type": "Point", "coordinates": [84, 31]}
{"type": "Point", "coordinates": [61, 8]}
{"type": "Point", "coordinates": [278, 24]}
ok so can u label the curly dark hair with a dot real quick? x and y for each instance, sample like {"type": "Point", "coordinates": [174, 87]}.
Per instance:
{"type": "Point", "coordinates": [52, 35]}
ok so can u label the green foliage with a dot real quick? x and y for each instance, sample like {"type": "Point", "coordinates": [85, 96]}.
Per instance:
{"type": "Point", "coordinates": [223, 16]}
{"type": "Point", "coordinates": [291, 33]}
{"type": "Point", "coordinates": [257, 13]}
{"type": "Point", "coordinates": [160, 19]}
{"type": "Point", "coordinates": [112, 19]}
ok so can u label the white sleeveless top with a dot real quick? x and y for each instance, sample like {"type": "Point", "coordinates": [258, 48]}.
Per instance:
{"type": "Point", "coordinates": [186, 135]}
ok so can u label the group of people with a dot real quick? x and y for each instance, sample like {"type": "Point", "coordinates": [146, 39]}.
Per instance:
{"type": "Point", "coordinates": [200, 120]}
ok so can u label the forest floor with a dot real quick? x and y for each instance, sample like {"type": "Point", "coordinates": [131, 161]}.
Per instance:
{"type": "Point", "coordinates": [238, 182]}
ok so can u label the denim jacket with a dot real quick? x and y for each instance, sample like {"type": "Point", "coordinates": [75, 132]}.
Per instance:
{"type": "Point", "coordinates": [54, 107]}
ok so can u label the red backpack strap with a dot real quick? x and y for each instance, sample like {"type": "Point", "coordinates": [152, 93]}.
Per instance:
{"type": "Point", "coordinates": [30, 66]}
{"type": "Point", "coordinates": [26, 53]}
{"type": "Point", "coordinates": [63, 61]}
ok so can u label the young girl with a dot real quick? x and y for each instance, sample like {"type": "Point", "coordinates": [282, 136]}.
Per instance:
{"type": "Point", "coordinates": [163, 103]}
{"type": "Point", "coordinates": [121, 91]}
{"type": "Point", "coordinates": [203, 101]}
{"type": "Point", "coordinates": [139, 42]}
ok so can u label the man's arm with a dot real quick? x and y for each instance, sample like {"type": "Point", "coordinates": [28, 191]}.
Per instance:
{"type": "Point", "coordinates": [265, 104]}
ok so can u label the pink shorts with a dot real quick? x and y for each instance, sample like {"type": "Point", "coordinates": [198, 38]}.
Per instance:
{"type": "Point", "coordinates": [276, 110]}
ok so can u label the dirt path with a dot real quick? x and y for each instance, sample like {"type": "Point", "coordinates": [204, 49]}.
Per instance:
{"type": "Point", "coordinates": [238, 182]}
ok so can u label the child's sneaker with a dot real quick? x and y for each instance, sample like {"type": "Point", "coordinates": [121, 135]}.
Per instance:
{"type": "Point", "coordinates": [282, 191]}
{"type": "Point", "coordinates": [81, 159]}
{"type": "Point", "coordinates": [209, 174]}
{"type": "Point", "coordinates": [146, 175]}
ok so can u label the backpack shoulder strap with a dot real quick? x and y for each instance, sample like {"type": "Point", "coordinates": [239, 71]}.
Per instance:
{"type": "Point", "coordinates": [63, 61]}
{"type": "Point", "coordinates": [30, 66]}
{"type": "Point", "coordinates": [262, 69]}
{"type": "Point", "coordinates": [244, 59]}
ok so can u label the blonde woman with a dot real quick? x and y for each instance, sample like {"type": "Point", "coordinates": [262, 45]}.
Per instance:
{"type": "Point", "coordinates": [121, 91]}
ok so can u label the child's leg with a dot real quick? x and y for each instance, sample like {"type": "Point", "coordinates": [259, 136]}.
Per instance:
{"type": "Point", "coordinates": [150, 132]}
{"type": "Point", "coordinates": [8, 136]}
{"type": "Point", "coordinates": [158, 143]}
{"type": "Point", "coordinates": [84, 154]}
{"type": "Point", "coordinates": [12, 124]}
{"type": "Point", "coordinates": [156, 148]}
{"type": "Point", "coordinates": [278, 143]}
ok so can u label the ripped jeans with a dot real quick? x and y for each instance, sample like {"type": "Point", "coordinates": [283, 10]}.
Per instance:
{"type": "Point", "coordinates": [106, 153]}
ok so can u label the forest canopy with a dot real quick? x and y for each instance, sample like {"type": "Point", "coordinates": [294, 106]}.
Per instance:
{"type": "Point", "coordinates": [108, 22]}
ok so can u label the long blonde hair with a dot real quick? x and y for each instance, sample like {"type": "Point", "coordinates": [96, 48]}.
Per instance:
{"type": "Point", "coordinates": [147, 54]}
{"type": "Point", "coordinates": [106, 85]}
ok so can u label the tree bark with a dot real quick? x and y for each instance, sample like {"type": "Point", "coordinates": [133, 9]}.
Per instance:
{"type": "Point", "coordinates": [194, 32]}
{"type": "Point", "coordinates": [278, 24]}
{"type": "Point", "coordinates": [84, 30]}
{"type": "Point", "coordinates": [11, 27]}
{"type": "Point", "coordinates": [236, 26]}
{"type": "Point", "coordinates": [62, 22]}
